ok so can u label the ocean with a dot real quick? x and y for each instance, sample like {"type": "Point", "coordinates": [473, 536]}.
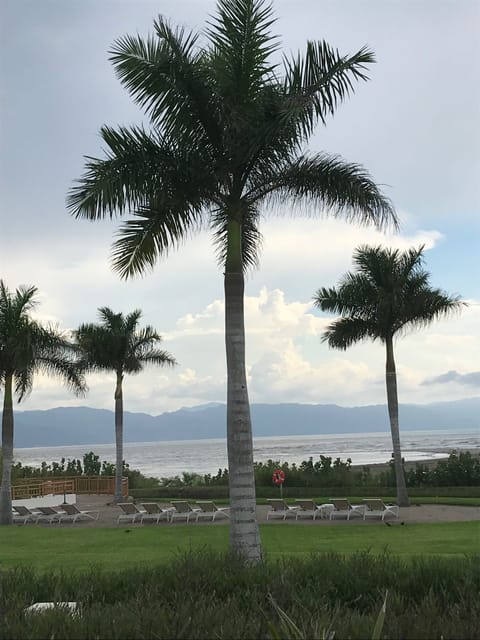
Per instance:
{"type": "Point", "coordinates": [171, 458]}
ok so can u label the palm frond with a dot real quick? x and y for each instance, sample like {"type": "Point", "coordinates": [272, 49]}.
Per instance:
{"type": "Point", "coordinates": [389, 293]}
{"type": "Point", "coordinates": [152, 233]}
{"type": "Point", "coordinates": [421, 307]}
{"type": "Point", "coordinates": [319, 81]}
{"type": "Point", "coordinates": [166, 77]}
{"type": "Point", "coordinates": [132, 171]}
{"type": "Point", "coordinates": [26, 346]}
{"type": "Point", "coordinates": [242, 45]}
{"type": "Point", "coordinates": [251, 238]}
{"type": "Point", "coordinates": [147, 356]}
{"type": "Point", "coordinates": [118, 344]}
{"type": "Point", "coordinates": [343, 190]}
{"type": "Point", "coordinates": [23, 383]}
{"type": "Point", "coordinates": [345, 332]}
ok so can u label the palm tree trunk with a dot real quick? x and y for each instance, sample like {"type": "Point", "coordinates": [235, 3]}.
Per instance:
{"type": "Point", "coordinates": [392, 401]}
{"type": "Point", "coordinates": [118, 438]}
{"type": "Point", "coordinates": [244, 532]}
{"type": "Point", "coordinates": [7, 454]}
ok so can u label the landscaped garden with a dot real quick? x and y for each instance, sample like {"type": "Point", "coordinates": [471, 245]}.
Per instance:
{"type": "Point", "coordinates": [150, 586]}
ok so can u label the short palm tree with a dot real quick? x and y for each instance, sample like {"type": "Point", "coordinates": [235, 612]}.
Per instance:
{"type": "Point", "coordinates": [226, 141]}
{"type": "Point", "coordinates": [26, 348]}
{"type": "Point", "coordinates": [387, 295]}
{"type": "Point", "coordinates": [117, 344]}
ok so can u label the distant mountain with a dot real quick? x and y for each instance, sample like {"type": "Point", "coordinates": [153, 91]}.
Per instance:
{"type": "Point", "coordinates": [83, 425]}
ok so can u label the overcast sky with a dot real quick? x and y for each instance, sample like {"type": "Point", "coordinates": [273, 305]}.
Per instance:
{"type": "Point", "coordinates": [415, 126]}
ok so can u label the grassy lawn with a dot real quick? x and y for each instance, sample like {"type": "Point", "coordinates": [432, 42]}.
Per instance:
{"type": "Point", "coordinates": [77, 548]}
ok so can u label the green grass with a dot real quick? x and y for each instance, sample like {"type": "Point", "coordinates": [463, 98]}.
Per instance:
{"type": "Point", "coordinates": [77, 548]}
{"type": "Point", "coordinates": [201, 596]}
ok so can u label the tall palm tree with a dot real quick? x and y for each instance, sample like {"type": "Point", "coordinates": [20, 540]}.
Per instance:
{"type": "Point", "coordinates": [26, 348]}
{"type": "Point", "coordinates": [226, 140]}
{"type": "Point", "coordinates": [117, 344]}
{"type": "Point", "coordinates": [387, 295]}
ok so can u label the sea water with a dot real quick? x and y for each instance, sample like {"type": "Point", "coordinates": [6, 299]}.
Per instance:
{"type": "Point", "coordinates": [170, 458]}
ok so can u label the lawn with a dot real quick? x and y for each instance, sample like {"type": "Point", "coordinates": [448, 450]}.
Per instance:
{"type": "Point", "coordinates": [81, 548]}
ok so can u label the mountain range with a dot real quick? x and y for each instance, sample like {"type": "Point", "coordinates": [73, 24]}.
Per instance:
{"type": "Point", "coordinates": [84, 425]}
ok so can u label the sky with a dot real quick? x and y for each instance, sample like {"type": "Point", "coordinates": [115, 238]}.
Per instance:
{"type": "Point", "coordinates": [415, 126]}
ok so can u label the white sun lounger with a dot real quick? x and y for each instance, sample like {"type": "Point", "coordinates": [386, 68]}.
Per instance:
{"type": "Point", "coordinates": [210, 510]}
{"type": "Point", "coordinates": [280, 508]}
{"type": "Point", "coordinates": [153, 511]}
{"type": "Point", "coordinates": [342, 507]}
{"type": "Point", "coordinates": [376, 508]}
{"type": "Point", "coordinates": [24, 514]}
{"type": "Point", "coordinates": [184, 510]}
{"type": "Point", "coordinates": [129, 512]}
{"type": "Point", "coordinates": [73, 513]}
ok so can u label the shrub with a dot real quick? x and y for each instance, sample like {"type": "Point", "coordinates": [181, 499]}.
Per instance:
{"type": "Point", "coordinates": [215, 596]}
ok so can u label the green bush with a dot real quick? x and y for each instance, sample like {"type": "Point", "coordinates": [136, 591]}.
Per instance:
{"type": "Point", "coordinates": [459, 469]}
{"type": "Point", "coordinates": [325, 476]}
{"type": "Point", "coordinates": [91, 466]}
{"type": "Point", "coordinates": [216, 596]}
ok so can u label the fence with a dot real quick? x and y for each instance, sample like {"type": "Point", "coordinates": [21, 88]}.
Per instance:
{"type": "Point", "coordinates": [34, 488]}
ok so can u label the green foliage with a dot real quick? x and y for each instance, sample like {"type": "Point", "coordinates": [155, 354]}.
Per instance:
{"type": "Point", "coordinates": [323, 473]}
{"type": "Point", "coordinates": [458, 475]}
{"type": "Point", "coordinates": [389, 293]}
{"type": "Point", "coordinates": [120, 548]}
{"type": "Point", "coordinates": [27, 347]}
{"type": "Point", "coordinates": [91, 467]}
{"type": "Point", "coordinates": [459, 470]}
{"type": "Point", "coordinates": [207, 595]}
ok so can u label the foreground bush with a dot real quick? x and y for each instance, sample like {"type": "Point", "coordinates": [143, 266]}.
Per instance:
{"type": "Point", "coordinates": [212, 596]}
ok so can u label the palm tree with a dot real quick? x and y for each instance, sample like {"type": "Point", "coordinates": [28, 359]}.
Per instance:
{"type": "Point", "coordinates": [118, 345]}
{"type": "Point", "coordinates": [26, 348]}
{"type": "Point", "coordinates": [387, 295]}
{"type": "Point", "coordinates": [226, 139]}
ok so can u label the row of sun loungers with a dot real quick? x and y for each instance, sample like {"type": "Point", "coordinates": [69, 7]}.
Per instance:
{"type": "Point", "coordinates": [335, 508]}
{"type": "Point", "coordinates": [62, 513]}
{"type": "Point", "coordinates": [208, 510]}
{"type": "Point", "coordinates": [152, 511]}
{"type": "Point", "coordinates": [129, 512]}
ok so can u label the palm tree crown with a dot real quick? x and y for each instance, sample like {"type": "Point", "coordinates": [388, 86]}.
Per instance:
{"type": "Point", "coordinates": [226, 138]}
{"type": "Point", "coordinates": [26, 348]}
{"type": "Point", "coordinates": [388, 294]}
{"type": "Point", "coordinates": [226, 142]}
{"type": "Point", "coordinates": [118, 344]}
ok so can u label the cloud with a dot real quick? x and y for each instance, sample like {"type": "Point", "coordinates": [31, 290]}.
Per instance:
{"type": "Point", "coordinates": [468, 379]}
{"type": "Point", "coordinates": [287, 361]}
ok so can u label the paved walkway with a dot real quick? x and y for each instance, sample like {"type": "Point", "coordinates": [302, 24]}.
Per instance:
{"type": "Point", "coordinates": [415, 513]}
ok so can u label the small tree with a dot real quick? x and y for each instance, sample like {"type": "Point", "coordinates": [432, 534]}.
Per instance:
{"type": "Point", "coordinates": [388, 294]}
{"type": "Point", "coordinates": [26, 348]}
{"type": "Point", "coordinates": [118, 345]}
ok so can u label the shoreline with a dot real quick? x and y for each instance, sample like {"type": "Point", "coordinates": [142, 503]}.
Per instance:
{"type": "Point", "coordinates": [427, 462]}
{"type": "Point", "coordinates": [167, 462]}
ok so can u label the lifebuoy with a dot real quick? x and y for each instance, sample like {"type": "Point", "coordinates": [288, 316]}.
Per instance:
{"type": "Point", "coordinates": [278, 476]}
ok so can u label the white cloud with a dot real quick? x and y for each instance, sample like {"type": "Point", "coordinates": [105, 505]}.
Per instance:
{"type": "Point", "coordinates": [287, 362]}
